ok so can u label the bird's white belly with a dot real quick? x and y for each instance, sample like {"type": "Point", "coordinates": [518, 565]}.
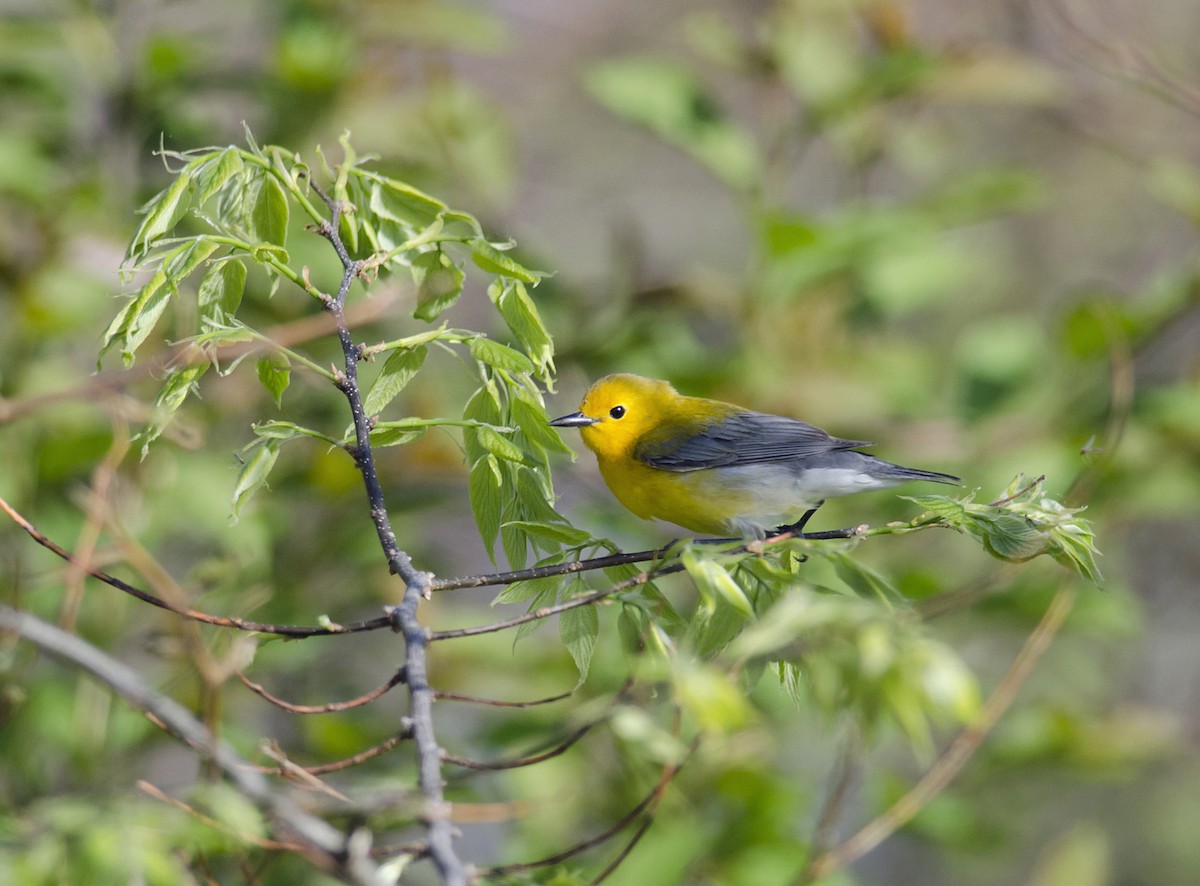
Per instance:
{"type": "Point", "coordinates": [764, 496]}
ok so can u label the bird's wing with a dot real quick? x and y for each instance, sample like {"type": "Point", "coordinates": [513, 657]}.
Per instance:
{"type": "Point", "coordinates": [739, 439]}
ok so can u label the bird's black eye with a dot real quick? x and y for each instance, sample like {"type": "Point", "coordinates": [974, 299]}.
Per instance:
{"type": "Point", "coordinates": [617, 411]}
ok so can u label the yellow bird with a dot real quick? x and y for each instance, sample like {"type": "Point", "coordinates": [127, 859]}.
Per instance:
{"type": "Point", "coordinates": [717, 468]}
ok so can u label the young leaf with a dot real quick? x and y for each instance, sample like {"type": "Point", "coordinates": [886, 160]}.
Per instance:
{"type": "Point", "coordinates": [286, 430]}
{"type": "Point", "coordinates": [397, 202]}
{"type": "Point", "coordinates": [483, 486]}
{"type": "Point", "coordinates": [492, 260]}
{"type": "Point", "coordinates": [497, 445]}
{"type": "Point", "coordinates": [559, 533]}
{"type": "Point", "coordinates": [398, 370]}
{"type": "Point", "coordinates": [180, 382]}
{"type": "Point", "coordinates": [266, 210]}
{"type": "Point", "coordinates": [483, 407]}
{"type": "Point", "coordinates": [221, 290]}
{"type": "Point", "coordinates": [498, 356]}
{"type": "Point", "coordinates": [275, 373]}
{"type": "Point", "coordinates": [863, 580]}
{"type": "Point", "coordinates": [522, 317]}
{"type": "Point", "coordinates": [714, 582]}
{"type": "Point", "coordinates": [579, 628]}
{"type": "Point", "coordinates": [531, 418]}
{"type": "Point", "coordinates": [254, 473]}
{"type": "Point", "coordinates": [163, 212]}
{"type": "Point", "coordinates": [520, 591]}
{"type": "Point", "coordinates": [439, 284]}
{"type": "Point", "coordinates": [215, 171]}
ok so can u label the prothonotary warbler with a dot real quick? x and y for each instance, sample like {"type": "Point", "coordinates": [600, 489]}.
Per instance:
{"type": "Point", "coordinates": [714, 467]}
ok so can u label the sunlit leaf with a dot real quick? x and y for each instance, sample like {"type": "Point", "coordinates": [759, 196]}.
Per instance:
{"type": "Point", "coordinates": [487, 503]}
{"type": "Point", "coordinates": [439, 284]}
{"type": "Point", "coordinates": [212, 175]}
{"type": "Point", "coordinates": [499, 356]}
{"type": "Point", "coordinates": [162, 213]}
{"type": "Point", "coordinates": [401, 203]}
{"type": "Point", "coordinates": [181, 381]}
{"type": "Point", "coordinates": [494, 261]}
{"type": "Point", "coordinates": [275, 373]}
{"type": "Point", "coordinates": [254, 473]}
{"type": "Point", "coordinates": [398, 370]}
{"type": "Point", "coordinates": [221, 290]}
{"type": "Point", "coordinates": [579, 628]}
{"type": "Point", "coordinates": [266, 211]}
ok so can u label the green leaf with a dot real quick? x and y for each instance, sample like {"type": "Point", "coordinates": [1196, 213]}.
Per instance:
{"type": "Point", "coordinates": [275, 373]}
{"type": "Point", "coordinates": [530, 417]}
{"type": "Point", "coordinates": [254, 473]}
{"type": "Point", "coordinates": [497, 445]}
{"type": "Point", "coordinates": [137, 319]}
{"type": "Point", "coordinates": [439, 284]}
{"type": "Point", "coordinates": [521, 315]}
{"type": "Point", "coordinates": [214, 172]}
{"type": "Point", "coordinates": [487, 257]}
{"type": "Point", "coordinates": [286, 430]}
{"type": "Point", "coordinates": [520, 591]}
{"type": "Point", "coordinates": [714, 582]}
{"type": "Point", "coordinates": [499, 356]}
{"type": "Point", "coordinates": [397, 202]}
{"type": "Point", "coordinates": [863, 580]}
{"type": "Point", "coordinates": [180, 382]}
{"type": "Point", "coordinates": [553, 532]}
{"type": "Point", "coordinates": [221, 290]}
{"type": "Point", "coordinates": [1012, 537]}
{"type": "Point", "coordinates": [183, 261]}
{"type": "Point", "coordinates": [398, 370]}
{"type": "Point", "coordinates": [266, 211]}
{"type": "Point", "coordinates": [140, 314]}
{"type": "Point", "coordinates": [579, 628]}
{"type": "Point", "coordinates": [487, 503]}
{"type": "Point", "coordinates": [483, 407]}
{"type": "Point", "coordinates": [513, 539]}
{"type": "Point", "coordinates": [162, 213]}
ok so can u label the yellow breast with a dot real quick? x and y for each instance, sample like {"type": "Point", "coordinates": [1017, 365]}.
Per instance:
{"type": "Point", "coordinates": [696, 500]}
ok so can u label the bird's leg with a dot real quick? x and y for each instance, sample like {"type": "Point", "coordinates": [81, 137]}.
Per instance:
{"type": "Point", "coordinates": [797, 528]}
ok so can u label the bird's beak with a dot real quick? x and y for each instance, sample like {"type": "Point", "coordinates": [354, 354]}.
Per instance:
{"type": "Point", "coordinates": [574, 420]}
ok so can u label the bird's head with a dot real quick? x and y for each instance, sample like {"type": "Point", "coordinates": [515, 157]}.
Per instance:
{"type": "Point", "coordinates": [618, 410]}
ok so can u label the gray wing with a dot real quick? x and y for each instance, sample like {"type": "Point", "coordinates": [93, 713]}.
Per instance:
{"type": "Point", "coordinates": [743, 438]}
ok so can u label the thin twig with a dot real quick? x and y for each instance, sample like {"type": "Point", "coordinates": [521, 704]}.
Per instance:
{"type": "Point", "coordinates": [163, 797]}
{"type": "Point", "coordinates": [241, 624]}
{"type": "Point", "coordinates": [520, 762]}
{"type": "Point", "coordinates": [960, 750]}
{"type": "Point", "coordinates": [332, 707]}
{"type": "Point", "coordinates": [622, 559]}
{"type": "Point", "coordinates": [491, 702]}
{"type": "Point", "coordinates": [648, 802]}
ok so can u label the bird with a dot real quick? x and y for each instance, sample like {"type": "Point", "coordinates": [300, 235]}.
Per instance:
{"type": "Point", "coordinates": [717, 468]}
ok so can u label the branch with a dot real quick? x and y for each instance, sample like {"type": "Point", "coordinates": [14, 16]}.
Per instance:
{"type": "Point", "coordinates": [517, 763]}
{"type": "Point", "coordinates": [345, 856]}
{"type": "Point", "coordinates": [623, 559]}
{"type": "Point", "coordinates": [295, 631]}
{"type": "Point", "coordinates": [332, 707]}
{"type": "Point", "coordinates": [960, 750]}
{"type": "Point", "coordinates": [403, 617]}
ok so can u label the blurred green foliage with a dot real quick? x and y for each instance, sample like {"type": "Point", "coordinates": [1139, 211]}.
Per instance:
{"type": "Point", "coordinates": [926, 250]}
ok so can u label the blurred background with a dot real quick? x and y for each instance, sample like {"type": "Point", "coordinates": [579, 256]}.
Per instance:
{"type": "Point", "coordinates": [966, 230]}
